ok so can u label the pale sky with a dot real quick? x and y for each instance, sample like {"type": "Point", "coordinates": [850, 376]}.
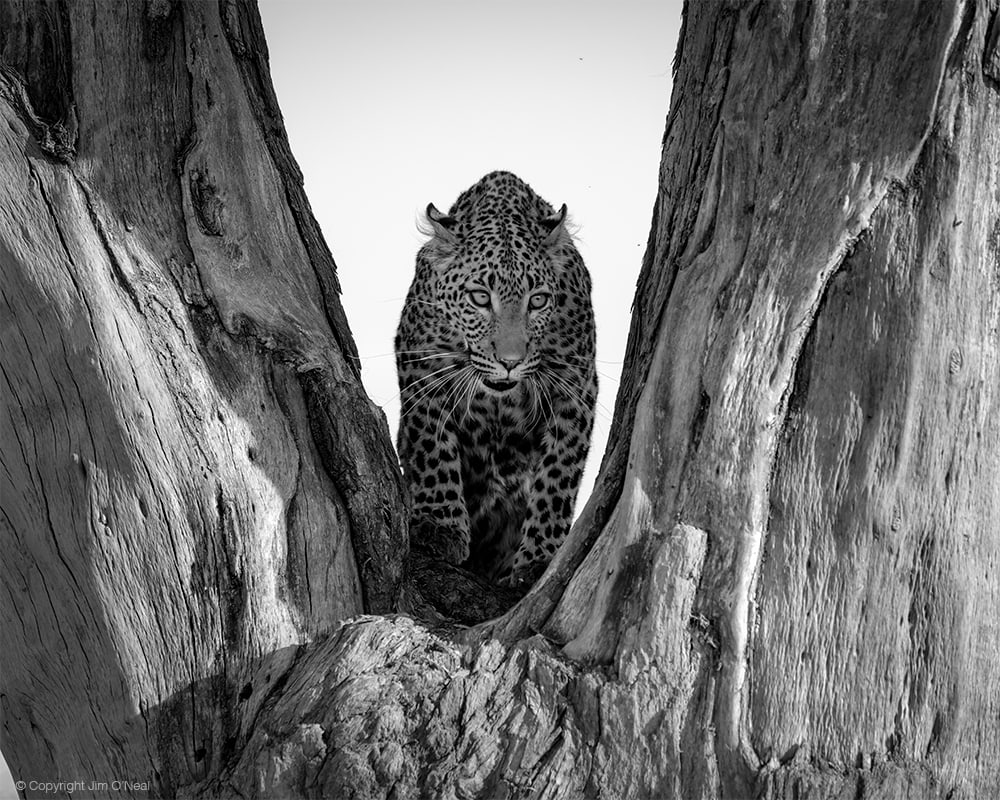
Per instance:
{"type": "Point", "coordinates": [392, 105]}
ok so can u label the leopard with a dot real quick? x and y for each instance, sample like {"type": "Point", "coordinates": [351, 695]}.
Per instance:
{"type": "Point", "coordinates": [495, 359]}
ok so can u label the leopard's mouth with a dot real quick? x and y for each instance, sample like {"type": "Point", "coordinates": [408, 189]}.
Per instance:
{"type": "Point", "coordinates": [500, 386]}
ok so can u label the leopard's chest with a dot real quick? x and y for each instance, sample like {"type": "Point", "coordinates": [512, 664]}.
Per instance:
{"type": "Point", "coordinates": [500, 449]}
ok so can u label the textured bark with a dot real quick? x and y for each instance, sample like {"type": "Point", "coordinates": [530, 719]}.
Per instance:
{"type": "Point", "coordinates": [193, 477]}
{"type": "Point", "coordinates": [785, 584]}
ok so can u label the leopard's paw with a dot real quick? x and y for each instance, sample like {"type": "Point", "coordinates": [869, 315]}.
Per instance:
{"type": "Point", "coordinates": [447, 542]}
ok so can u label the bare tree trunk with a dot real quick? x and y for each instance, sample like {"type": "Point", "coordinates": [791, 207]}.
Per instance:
{"type": "Point", "coordinates": [193, 478]}
{"type": "Point", "coordinates": [786, 582]}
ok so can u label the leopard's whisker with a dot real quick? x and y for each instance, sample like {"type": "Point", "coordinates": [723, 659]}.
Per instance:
{"type": "Point", "coordinates": [535, 417]}
{"type": "Point", "coordinates": [454, 392]}
{"type": "Point", "coordinates": [425, 392]}
{"type": "Point", "coordinates": [568, 391]}
{"type": "Point", "coordinates": [414, 393]}
{"type": "Point", "coordinates": [559, 362]}
{"type": "Point", "coordinates": [415, 301]}
{"type": "Point", "coordinates": [425, 350]}
{"type": "Point", "coordinates": [572, 391]}
{"type": "Point", "coordinates": [399, 353]}
{"type": "Point", "coordinates": [470, 393]}
{"type": "Point", "coordinates": [416, 388]}
{"type": "Point", "coordinates": [445, 386]}
{"type": "Point", "coordinates": [417, 359]}
{"type": "Point", "coordinates": [538, 401]}
{"type": "Point", "coordinates": [545, 399]}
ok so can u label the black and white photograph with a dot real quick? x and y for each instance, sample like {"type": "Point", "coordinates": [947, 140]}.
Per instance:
{"type": "Point", "coordinates": [468, 400]}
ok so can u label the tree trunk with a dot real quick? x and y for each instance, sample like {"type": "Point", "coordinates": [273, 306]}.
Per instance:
{"type": "Point", "coordinates": [785, 584]}
{"type": "Point", "coordinates": [194, 482]}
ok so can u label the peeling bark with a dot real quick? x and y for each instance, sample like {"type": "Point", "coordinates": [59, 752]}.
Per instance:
{"type": "Point", "coordinates": [785, 583]}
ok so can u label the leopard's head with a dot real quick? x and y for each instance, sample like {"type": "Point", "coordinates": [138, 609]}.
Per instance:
{"type": "Point", "coordinates": [499, 263]}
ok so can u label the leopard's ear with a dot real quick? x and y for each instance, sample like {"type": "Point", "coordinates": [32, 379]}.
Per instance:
{"type": "Point", "coordinates": [555, 225]}
{"type": "Point", "coordinates": [442, 226]}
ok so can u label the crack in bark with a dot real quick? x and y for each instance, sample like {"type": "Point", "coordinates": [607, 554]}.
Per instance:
{"type": "Point", "coordinates": [991, 52]}
{"type": "Point", "coordinates": [117, 271]}
{"type": "Point", "coordinates": [40, 483]}
{"type": "Point", "coordinates": [58, 139]}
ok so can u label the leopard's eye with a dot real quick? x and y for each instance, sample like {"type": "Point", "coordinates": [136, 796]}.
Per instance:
{"type": "Point", "coordinates": [479, 298]}
{"type": "Point", "coordinates": [538, 301]}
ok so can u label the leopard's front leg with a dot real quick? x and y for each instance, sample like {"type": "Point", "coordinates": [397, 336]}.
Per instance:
{"type": "Point", "coordinates": [428, 448]}
{"type": "Point", "coordinates": [551, 497]}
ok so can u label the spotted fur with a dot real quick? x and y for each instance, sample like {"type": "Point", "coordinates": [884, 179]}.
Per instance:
{"type": "Point", "coordinates": [495, 357]}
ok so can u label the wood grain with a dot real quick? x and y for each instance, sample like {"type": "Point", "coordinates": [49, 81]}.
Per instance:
{"type": "Point", "coordinates": [172, 510]}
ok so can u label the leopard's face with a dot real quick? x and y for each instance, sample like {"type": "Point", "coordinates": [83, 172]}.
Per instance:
{"type": "Point", "coordinates": [500, 315]}
{"type": "Point", "coordinates": [502, 294]}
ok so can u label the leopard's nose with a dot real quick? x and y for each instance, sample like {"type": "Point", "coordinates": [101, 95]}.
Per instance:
{"type": "Point", "coordinates": [510, 363]}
